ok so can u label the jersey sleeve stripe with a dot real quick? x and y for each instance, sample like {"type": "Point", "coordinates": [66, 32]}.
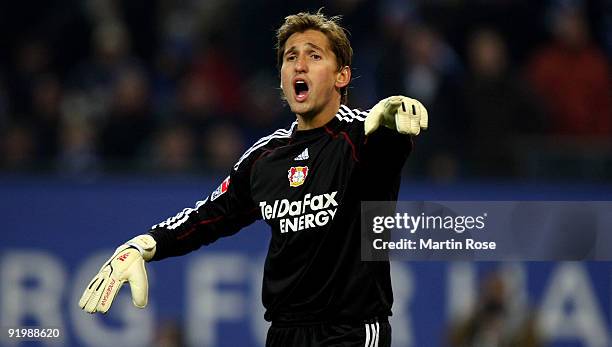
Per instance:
{"type": "Point", "coordinates": [343, 116]}
{"type": "Point", "coordinates": [175, 221]}
{"type": "Point", "coordinates": [281, 133]}
{"type": "Point", "coordinates": [348, 115]}
{"type": "Point", "coordinates": [355, 113]}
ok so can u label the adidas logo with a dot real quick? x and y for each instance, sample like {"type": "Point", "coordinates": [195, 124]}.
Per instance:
{"type": "Point", "coordinates": [303, 155]}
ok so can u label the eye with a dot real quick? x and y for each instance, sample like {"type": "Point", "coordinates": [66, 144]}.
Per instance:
{"type": "Point", "coordinates": [315, 56]}
{"type": "Point", "coordinates": [291, 58]}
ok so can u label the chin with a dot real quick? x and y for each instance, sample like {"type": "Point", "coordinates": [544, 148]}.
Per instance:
{"type": "Point", "coordinates": [299, 108]}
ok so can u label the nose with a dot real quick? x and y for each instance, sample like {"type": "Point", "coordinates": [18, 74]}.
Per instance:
{"type": "Point", "coordinates": [301, 65]}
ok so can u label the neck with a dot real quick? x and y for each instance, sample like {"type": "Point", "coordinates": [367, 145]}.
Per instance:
{"type": "Point", "coordinates": [309, 121]}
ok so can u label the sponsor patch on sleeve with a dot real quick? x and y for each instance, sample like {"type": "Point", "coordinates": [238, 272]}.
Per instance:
{"type": "Point", "coordinates": [221, 189]}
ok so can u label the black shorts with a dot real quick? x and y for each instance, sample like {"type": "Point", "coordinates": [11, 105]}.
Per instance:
{"type": "Point", "coordinates": [372, 333]}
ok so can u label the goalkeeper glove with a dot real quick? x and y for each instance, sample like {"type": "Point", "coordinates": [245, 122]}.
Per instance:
{"type": "Point", "coordinates": [401, 113]}
{"type": "Point", "coordinates": [126, 264]}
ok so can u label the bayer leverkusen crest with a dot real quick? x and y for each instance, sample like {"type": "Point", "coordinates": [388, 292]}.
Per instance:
{"type": "Point", "coordinates": [297, 175]}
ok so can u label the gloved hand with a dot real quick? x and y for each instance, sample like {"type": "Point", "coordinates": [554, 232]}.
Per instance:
{"type": "Point", "coordinates": [126, 264]}
{"type": "Point", "coordinates": [401, 113]}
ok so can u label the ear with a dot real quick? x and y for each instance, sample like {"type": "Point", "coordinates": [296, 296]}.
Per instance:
{"type": "Point", "coordinates": [343, 77]}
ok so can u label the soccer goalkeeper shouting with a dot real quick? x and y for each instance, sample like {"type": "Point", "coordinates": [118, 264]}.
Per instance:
{"type": "Point", "coordinates": [316, 289]}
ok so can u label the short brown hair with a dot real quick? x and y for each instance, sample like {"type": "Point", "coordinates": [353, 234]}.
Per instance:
{"type": "Point", "coordinates": [330, 27]}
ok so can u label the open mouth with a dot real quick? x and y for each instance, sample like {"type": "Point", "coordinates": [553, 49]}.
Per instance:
{"type": "Point", "coordinates": [301, 90]}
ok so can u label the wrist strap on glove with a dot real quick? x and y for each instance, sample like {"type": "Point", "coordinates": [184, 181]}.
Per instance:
{"type": "Point", "coordinates": [145, 244]}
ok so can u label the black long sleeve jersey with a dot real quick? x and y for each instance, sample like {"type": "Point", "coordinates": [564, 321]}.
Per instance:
{"type": "Point", "coordinates": [307, 185]}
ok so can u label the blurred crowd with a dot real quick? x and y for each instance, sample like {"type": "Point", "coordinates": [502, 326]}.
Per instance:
{"type": "Point", "coordinates": [515, 89]}
{"type": "Point", "coordinates": [500, 317]}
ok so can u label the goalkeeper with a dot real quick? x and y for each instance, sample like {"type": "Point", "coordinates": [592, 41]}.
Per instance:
{"type": "Point", "coordinates": [316, 289]}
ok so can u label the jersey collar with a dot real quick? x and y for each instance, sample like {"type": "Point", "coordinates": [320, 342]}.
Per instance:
{"type": "Point", "coordinates": [331, 125]}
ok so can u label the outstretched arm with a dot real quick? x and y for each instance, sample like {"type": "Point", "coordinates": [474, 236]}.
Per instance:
{"type": "Point", "coordinates": [227, 210]}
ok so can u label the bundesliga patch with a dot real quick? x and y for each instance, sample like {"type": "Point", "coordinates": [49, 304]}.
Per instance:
{"type": "Point", "coordinates": [221, 189]}
{"type": "Point", "coordinates": [297, 175]}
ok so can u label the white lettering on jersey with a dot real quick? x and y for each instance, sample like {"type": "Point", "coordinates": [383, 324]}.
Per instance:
{"type": "Point", "coordinates": [310, 212]}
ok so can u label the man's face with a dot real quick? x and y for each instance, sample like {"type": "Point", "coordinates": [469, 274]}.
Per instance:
{"type": "Point", "coordinates": [309, 74]}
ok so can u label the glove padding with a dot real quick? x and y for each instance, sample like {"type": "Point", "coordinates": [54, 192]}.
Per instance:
{"type": "Point", "coordinates": [126, 264]}
{"type": "Point", "coordinates": [401, 113]}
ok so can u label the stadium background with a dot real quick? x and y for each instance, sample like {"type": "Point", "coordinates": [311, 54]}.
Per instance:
{"type": "Point", "coordinates": [116, 114]}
